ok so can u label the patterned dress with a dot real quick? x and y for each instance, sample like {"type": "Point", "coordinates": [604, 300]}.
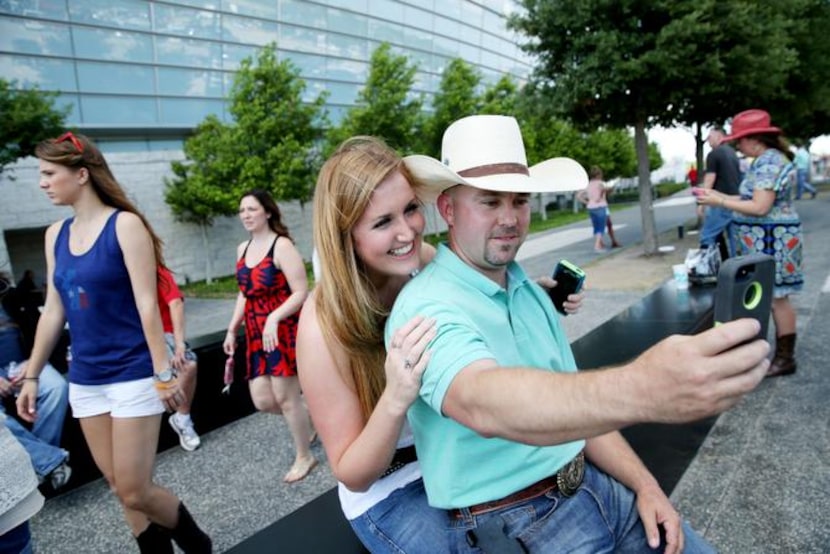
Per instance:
{"type": "Point", "coordinates": [778, 233]}
{"type": "Point", "coordinates": [265, 288]}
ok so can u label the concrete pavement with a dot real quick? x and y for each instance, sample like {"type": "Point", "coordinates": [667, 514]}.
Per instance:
{"type": "Point", "coordinates": [760, 482]}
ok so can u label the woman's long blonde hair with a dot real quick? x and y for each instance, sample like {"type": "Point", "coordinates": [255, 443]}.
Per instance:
{"type": "Point", "coordinates": [347, 303]}
{"type": "Point", "coordinates": [77, 151]}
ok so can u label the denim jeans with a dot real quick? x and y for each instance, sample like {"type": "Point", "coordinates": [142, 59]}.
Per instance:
{"type": "Point", "coordinates": [403, 523]}
{"type": "Point", "coordinates": [17, 541]}
{"type": "Point", "coordinates": [43, 441]}
{"type": "Point", "coordinates": [715, 221]}
{"type": "Point", "coordinates": [600, 518]}
{"type": "Point", "coordinates": [803, 184]}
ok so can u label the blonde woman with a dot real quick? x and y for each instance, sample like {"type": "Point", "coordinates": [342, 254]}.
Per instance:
{"type": "Point", "coordinates": [101, 265]}
{"type": "Point", "coordinates": [368, 226]}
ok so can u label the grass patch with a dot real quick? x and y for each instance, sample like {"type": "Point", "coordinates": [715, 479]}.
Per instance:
{"type": "Point", "coordinates": [221, 287]}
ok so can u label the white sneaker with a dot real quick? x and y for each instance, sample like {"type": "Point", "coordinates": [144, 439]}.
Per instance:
{"type": "Point", "coordinates": [188, 438]}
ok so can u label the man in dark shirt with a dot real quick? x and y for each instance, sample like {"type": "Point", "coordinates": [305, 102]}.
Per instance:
{"type": "Point", "coordinates": [722, 174]}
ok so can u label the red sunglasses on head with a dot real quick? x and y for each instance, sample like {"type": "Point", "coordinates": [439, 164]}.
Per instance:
{"type": "Point", "coordinates": [70, 137]}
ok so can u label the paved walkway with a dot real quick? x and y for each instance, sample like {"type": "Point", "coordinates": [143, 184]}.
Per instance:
{"type": "Point", "coordinates": [760, 482]}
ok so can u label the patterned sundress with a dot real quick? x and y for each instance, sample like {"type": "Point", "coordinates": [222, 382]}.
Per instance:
{"type": "Point", "coordinates": [265, 288]}
{"type": "Point", "coordinates": [778, 233]}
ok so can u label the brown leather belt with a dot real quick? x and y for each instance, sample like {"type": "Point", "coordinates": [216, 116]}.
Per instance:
{"type": "Point", "coordinates": [566, 481]}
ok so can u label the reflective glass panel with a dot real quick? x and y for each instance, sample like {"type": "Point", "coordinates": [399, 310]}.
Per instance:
{"type": "Point", "coordinates": [387, 9]}
{"type": "Point", "coordinates": [447, 27]}
{"type": "Point", "coordinates": [48, 9]}
{"type": "Point", "coordinates": [347, 70]}
{"type": "Point", "coordinates": [348, 47]}
{"type": "Point", "coordinates": [385, 31]}
{"type": "Point", "coordinates": [45, 73]}
{"type": "Point", "coordinates": [118, 110]}
{"type": "Point", "coordinates": [303, 13]}
{"type": "Point", "coordinates": [345, 22]}
{"type": "Point", "coordinates": [233, 54]}
{"type": "Point", "coordinates": [417, 39]}
{"type": "Point", "coordinates": [494, 23]}
{"type": "Point", "coordinates": [360, 6]}
{"type": "Point", "coordinates": [73, 102]}
{"type": "Point", "coordinates": [115, 78]}
{"type": "Point", "coordinates": [188, 111]}
{"type": "Point", "coordinates": [187, 22]}
{"type": "Point", "coordinates": [342, 93]}
{"type": "Point", "coordinates": [258, 8]}
{"type": "Point", "coordinates": [471, 35]}
{"type": "Point", "coordinates": [310, 66]}
{"type": "Point", "coordinates": [124, 14]}
{"type": "Point", "coordinates": [106, 44]}
{"type": "Point", "coordinates": [249, 31]}
{"type": "Point", "coordinates": [304, 40]}
{"type": "Point", "coordinates": [417, 18]}
{"type": "Point", "coordinates": [192, 52]}
{"type": "Point", "coordinates": [26, 36]}
{"type": "Point", "coordinates": [445, 46]}
{"type": "Point", "coordinates": [189, 82]}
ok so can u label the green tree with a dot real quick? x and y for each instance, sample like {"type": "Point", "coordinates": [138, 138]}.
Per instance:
{"type": "Point", "coordinates": [28, 116]}
{"type": "Point", "coordinates": [640, 63]}
{"type": "Point", "coordinates": [456, 97]}
{"type": "Point", "coordinates": [269, 145]}
{"type": "Point", "coordinates": [500, 98]}
{"type": "Point", "coordinates": [385, 106]}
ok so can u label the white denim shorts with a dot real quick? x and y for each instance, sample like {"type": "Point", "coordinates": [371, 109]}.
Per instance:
{"type": "Point", "coordinates": [127, 399]}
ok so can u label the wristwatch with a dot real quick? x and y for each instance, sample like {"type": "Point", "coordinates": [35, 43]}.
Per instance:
{"type": "Point", "coordinates": [165, 376]}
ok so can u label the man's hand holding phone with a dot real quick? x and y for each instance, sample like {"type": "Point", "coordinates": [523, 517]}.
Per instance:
{"type": "Point", "coordinates": [566, 294]}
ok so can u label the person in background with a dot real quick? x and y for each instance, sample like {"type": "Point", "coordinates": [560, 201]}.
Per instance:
{"type": "Point", "coordinates": [19, 497]}
{"type": "Point", "coordinates": [723, 175]}
{"type": "Point", "coordinates": [182, 358]}
{"type": "Point", "coordinates": [101, 274]}
{"type": "Point", "coordinates": [43, 440]}
{"type": "Point", "coordinates": [519, 446]}
{"type": "Point", "coordinates": [272, 288]}
{"type": "Point", "coordinates": [691, 176]}
{"type": "Point", "coordinates": [764, 221]}
{"type": "Point", "coordinates": [593, 196]}
{"type": "Point", "coordinates": [802, 165]}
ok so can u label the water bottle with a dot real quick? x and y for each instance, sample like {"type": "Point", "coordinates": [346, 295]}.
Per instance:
{"type": "Point", "coordinates": [228, 377]}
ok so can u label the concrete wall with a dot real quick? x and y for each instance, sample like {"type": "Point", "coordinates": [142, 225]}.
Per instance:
{"type": "Point", "coordinates": [25, 212]}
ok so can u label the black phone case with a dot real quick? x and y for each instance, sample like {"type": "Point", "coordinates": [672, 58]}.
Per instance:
{"type": "Point", "coordinates": [567, 284]}
{"type": "Point", "coordinates": [745, 290]}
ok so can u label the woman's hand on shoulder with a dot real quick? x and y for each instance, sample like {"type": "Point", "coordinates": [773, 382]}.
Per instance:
{"type": "Point", "coordinates": [406, 360]}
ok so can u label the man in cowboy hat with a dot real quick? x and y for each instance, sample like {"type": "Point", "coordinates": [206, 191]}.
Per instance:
{"type": "Point", "coordinates": [506, 429]}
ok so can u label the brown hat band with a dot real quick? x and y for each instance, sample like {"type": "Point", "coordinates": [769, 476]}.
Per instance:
{"type": "Point", "coordinates": [494, 169]}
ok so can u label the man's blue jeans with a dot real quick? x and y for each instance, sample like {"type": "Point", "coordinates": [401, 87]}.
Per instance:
{"type": "Point", "coordinates": [803, 184]}
{"type": "Point", "coordinates": [601, 517]}
{"type": "Point", "coordinates": [716, 220]}
{"type": "Point", "coordinates": [43, 441]}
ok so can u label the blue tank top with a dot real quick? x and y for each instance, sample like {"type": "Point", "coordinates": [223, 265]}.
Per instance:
{"type": "Point", "coordinates": [108, 344]}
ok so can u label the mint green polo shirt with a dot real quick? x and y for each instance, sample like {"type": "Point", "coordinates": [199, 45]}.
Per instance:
{"type": "Point", "coordinates": [477, 319]}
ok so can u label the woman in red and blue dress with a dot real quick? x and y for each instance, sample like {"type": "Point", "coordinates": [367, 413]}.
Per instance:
{"type": "Point", "coordinates": [272, 288]}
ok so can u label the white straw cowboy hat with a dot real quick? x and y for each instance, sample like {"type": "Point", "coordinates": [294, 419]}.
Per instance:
{"type": "Point", "coordinates": [487, 152]}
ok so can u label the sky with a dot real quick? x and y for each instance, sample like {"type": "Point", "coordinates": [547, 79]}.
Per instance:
{"type": "Point", "coordinates": [679, 142]}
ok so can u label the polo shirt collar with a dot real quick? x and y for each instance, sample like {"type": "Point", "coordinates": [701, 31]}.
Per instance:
{"type": "Point", "coordinates": [449, 260]}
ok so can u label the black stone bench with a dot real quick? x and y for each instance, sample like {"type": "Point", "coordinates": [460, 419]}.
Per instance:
{"type": "Point", "coordinates": [321, 527]}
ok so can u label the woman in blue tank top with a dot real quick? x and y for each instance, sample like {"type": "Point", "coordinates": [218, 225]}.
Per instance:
{"type": "Point", "coordinates": [102, 280]}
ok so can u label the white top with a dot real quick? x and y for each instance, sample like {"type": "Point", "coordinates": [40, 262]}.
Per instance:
{"type": "Point", "coordinates": [355, 504]}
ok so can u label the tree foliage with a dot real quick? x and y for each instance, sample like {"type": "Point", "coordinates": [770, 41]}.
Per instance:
{"type": "Point", "coordinates": [457, 96]}
{"type": "Point", "coordinates": [28, 117]}
{"type": "Point", "coordinates": [386, 106]}
{"type": "Point", "coordinates": [657, 62]}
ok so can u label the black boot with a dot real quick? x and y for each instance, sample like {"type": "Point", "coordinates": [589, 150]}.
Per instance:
{"type": "Point", "coordinates": [783, 363]}
{"type": "Point", "coordinates": [155, 540]}
{"type": "Point", "coordinates": [188, 536]}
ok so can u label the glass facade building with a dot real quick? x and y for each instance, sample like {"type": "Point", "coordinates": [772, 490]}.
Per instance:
{"type": "Point", "coordinates": [142, 73]}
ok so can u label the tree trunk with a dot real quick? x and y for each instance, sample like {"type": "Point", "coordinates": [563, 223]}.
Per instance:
{"type": "Point", "coordinates": [644, 178]}
{"type": "Point", "coordinates": [701, 167]}
{"type": "Point", "coordinates": [207, 253]}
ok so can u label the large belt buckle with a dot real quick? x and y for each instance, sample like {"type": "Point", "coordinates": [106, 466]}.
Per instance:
{"type": "Point", "coordinates": [570, 477]}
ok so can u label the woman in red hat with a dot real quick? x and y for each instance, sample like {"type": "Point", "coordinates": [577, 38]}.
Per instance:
{"type": "Point", "coordinates": [765, 221]}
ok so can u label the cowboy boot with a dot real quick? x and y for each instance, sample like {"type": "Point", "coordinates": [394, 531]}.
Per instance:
{"type": "Point", "coordinates": [188, 536]}
{"type": "Point", "coordinates": [783, 363]}
{"type": "Point", "coordinates": [154, 540]}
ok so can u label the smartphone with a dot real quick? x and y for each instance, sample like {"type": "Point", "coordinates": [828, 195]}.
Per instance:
{"type": "Point", "coordinates": [745, 290]}
{"type": "Point", "coordinates": [569, 280]}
